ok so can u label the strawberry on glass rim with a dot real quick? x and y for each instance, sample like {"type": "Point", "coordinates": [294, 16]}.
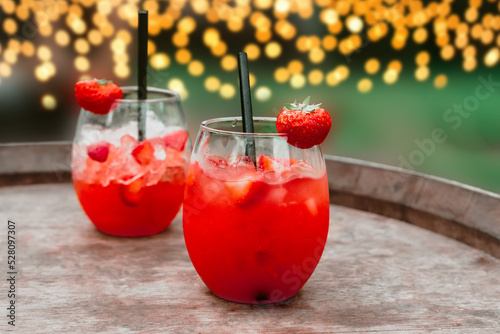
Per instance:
{"type": "Point", "coordinates": [305, 124]}
{"type": "Point", "coordinates": [97, 95]}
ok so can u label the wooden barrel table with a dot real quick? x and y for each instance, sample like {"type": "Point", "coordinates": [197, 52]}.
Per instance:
{"type": "Point", "coordinates": [406, 253]}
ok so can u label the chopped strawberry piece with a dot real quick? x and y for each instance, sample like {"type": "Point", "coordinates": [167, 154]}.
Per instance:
{"type": "Point", "coordinates": [131, 193]}
{"type": "Point", "coordinates": [311, 206]}
{"type": "Point", "coordinates": [268, 164]}
{"type": "Point", "coordinates": [279, 165]}
{"type": "Point", "coordinates": [190, 179]}
{"type": "Point", "coordinates": [217, 161]}
{"type": "Point", "coordinates": [243, 190]}
{"type": "Point", "coordinates": [144, 153]}
{"type": "Point", "coordinates": [176, 140]}
{"type": "Point", "coordinates": [99, 151]}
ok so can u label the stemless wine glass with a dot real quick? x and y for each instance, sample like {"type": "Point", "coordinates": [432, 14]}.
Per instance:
{"type": "Point", "coordinates": [256, 211]}
{"type": "Point", "coordinates": [125, 186]}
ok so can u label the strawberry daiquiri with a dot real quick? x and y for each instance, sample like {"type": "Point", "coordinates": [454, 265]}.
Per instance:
{"type": "Point", "coordinates": [126, 187]}
{"type": "Point", "coordinates": [255, 231]}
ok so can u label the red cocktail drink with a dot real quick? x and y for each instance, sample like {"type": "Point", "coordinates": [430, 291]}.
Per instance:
{"type": "Point", "coordinates": [130, 187]}
{"type": "Point", "coordinates": [255, 231]}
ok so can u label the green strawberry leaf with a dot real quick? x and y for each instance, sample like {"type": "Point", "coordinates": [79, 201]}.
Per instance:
{"type": "Point", "coordinates": [304, 106]}
{"type": "Point", "coordinates": [102, 82]}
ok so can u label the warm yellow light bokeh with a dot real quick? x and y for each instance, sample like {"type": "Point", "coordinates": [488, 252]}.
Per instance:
{"type": "Point", "coordinates": [365, 85]}
{"type": "Point", "coordinates": [332, 79]}
{"type": "Point", "coordinates": [252, 79]}
{"type": "Point", "coordinates": [272, 50]}
{"type": "Point", "coordinates": [297, 81]}
{"type": "Point", "coordinates": [263, 93]}
{"type": "Point", "coordinates": [5, 70]}
{"type": "Point", "coordinates": [196, 68]}
{"type": "Point", "coordinates": [227, 91]}
{"type": "Point", "coordinates": [159, 61]}
{"type": "Point", "coordinates": [44, 53]}
{"type": "Point", "coordinates": [180, 39]}
{"type": "Point", "coordinates": [252, 50]}
{"type": "Point", "coordinates": [49, 102]}
{"type": "Point", "coordinates": [183, 56]}
{"type": "Point", "coordinates": [316, 55]}
{"type": "Point", "coordinates": [469, 64]}
{"type": "Point", "coordinates": [395, 65]}
{"type": "Point", "coordinates": [212, 84]}
{"type": "Point", "coordinates": [211, 37]}
{"type": "Point", "coordinates": [27, 49]}
{"type": "Point", "coordinates": [315, 77]}
{"type": "Point", "coordinates": [329, 42]}
{"type": "Point", "coordinates": [9, 26]}
{"type": "Point", "coordinates": [81, 46]}
{"type": "Point", "coordinates": [219, 49]}
{"type": "Point", "coordinates": [281, 74]}
{"type": "Point", "coordinates": [447, 52]}
{"type": "Point", "coordinates": [186, 25]}
{"type": "Point", "coordinates": [440, 81]}
{"type": "Point", "coordinates": [492, 56]}
{"type": "Point", "coordinates": [295, 66]}
{"type": "Point", "coordinates": [177, 85]}
{"type": "Point", "coordinates": [342, 72]}
{"type": "Point", "coordinates": [82, 64]}
{"type": "Point", "coordinates": [422, 73]}
{"type": "Point", "coordinates": [390, 76]}
{"type": "Point", "coordinates": [372, 66]}
{"type": "Point", "coordinates": [229, 63]}
{"type": "Point", "coordinates": [272, 29]}
{"type": "Point", "coordinates": [94, 37]}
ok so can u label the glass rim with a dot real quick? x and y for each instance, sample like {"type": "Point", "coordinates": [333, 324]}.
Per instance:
{"type": "Point", "coordinates": [169, 95]}
{"type": "Point", "coordinates": [205, 125]}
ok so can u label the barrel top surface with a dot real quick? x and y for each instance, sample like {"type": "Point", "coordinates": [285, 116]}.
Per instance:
{"type": "Point", "coordinates": [377, 274]}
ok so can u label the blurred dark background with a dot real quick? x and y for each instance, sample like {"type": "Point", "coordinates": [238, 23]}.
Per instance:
{"type": "Point", "coordinates": [401, 80]}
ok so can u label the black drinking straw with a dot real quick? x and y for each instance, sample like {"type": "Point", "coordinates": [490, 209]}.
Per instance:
{"type": "Point", "coordinates": [142, 78]}
{"type": "Point", "coordinates": [246, 104]}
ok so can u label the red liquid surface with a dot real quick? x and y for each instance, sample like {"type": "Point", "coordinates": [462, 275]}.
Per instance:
{"type": "Point", "coordinates": [124, 198]}
{"type": "Point", "coordinates": [258, 248]}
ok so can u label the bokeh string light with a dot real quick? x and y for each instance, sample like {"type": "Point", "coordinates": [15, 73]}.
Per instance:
{"type": "Point", "coordinates": [270, 29]}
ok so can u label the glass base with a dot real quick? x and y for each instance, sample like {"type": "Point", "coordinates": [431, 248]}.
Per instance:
{"type": "Point", "coordinates": [261, 299]}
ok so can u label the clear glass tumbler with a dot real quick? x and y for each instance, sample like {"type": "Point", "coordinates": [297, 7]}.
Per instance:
{"type": "Point", "coordinates": [256, 211]}
{"type": "Point", "coordinates": [128, 187]}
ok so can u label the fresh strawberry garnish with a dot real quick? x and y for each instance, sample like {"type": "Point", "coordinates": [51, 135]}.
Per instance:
{"type": "Point", "coordinates": [305, 125]}
{"type": "Point", "coordinates": [176, 140]}
{"type": "Point", "coordinates": [243, 190]}
{"type": "Point", "coordinates": [144, 153]}
{"type": "Point", "coordinates": [97, 96]}
{"type": "Point", "coordinates": [99, 151]}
